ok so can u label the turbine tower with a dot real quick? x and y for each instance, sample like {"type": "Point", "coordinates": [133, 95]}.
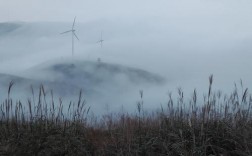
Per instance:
{"type": "Point", "coordinates": [101, 40]}
{"type": "Point", "coordinates": [73, 35]}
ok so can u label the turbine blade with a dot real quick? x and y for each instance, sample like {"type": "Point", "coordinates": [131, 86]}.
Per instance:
{"type": "Point", "coordinates": [75, 35]}
{"type": "Point", "coordinates": [74, 22]}
{"type": "Point", "coordinates": [66, 32]}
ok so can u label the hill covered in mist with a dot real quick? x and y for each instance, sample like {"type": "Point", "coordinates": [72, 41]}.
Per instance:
{"type": "Point", "coordinates": [66, 78]}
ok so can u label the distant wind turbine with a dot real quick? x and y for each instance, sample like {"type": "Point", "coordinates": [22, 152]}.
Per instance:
{"type": "Point", "coordinates": [73, 35]}
{"type": "Point", "coordinates": [101, 40]}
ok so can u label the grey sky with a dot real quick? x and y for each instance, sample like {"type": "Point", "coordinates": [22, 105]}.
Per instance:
{"type": "Point", "coordinates": [63, 10]}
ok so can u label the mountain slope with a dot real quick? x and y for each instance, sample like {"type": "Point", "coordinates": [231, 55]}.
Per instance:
{"type": "Point", "coordinates": [92, 76]}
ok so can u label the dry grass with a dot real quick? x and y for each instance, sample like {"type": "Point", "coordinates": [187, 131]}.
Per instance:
{"type": "Point", "coordinates": [220, 125]}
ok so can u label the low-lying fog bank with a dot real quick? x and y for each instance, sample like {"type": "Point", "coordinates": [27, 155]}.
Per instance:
{"type": "Point", "coordinates": [103, 85]}
{"type": "Point", "coordinates": [157, 58]}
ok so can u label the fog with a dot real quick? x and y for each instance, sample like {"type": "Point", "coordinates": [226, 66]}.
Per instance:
{"type": "Point", "coordinates": [182, 41]}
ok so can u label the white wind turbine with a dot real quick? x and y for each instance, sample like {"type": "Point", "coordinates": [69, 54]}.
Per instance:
{"type": "Point", "coordinates": [101, 40]}
{"type": "Point", "coordinates": [73, 35]}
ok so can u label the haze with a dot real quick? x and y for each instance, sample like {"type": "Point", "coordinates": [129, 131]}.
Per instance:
{"type": "Point", "coordinates": [182, 40]}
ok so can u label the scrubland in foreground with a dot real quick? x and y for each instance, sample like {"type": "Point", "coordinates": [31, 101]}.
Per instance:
{"type": "Point", "coordinates": [220, 124]}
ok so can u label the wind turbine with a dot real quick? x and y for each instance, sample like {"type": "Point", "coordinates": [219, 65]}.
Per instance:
{"type": "Point", "coordinates": [101, 40]}
{"type": "Point", "coordinates": [73, 35]}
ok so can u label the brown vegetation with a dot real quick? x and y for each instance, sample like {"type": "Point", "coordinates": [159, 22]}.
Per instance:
{"type": "Point", "coordinates": [219, 125]}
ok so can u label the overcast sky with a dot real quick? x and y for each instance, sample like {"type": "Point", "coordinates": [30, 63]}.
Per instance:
{"type": "Point", "coordinates": [64, 10]}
